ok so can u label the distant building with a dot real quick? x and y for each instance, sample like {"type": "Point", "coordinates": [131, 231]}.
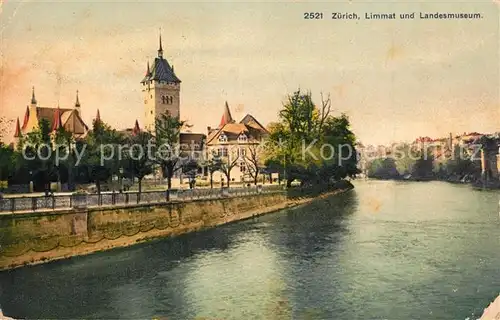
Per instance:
{"type": "Point", "coordinates": [68, 118]}
{"type": "Point", "coordinates": [236, 141]}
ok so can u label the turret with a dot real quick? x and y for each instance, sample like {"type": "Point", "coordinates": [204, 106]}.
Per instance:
{"type": "Point", "coordinates": [77, 105]}
{"type": "Point", "coordinates": [226, 116]}
{"type": "Point", "coordinates": [136, 129]}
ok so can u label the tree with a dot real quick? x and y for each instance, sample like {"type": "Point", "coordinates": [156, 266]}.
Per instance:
{"type": "Point", "coordinates": [212, 165]}
{"type": "Point", "coordinates": [299, 140]}
{"type": "Point", "coordinates": [64, 144]}
{"type": "Point", "coordinates": [37, 154]}
{"type": "Point", "coordinates": [190, 168]}
{"type": "Point", "coordinates": [337, 133]}
{"type": "Point", "coordinates": [7, 162]}
{"type": "Point", "coordinates": [383, 168]}
{"type": "Point", "coordinates": [405, 159]}
{"type": "Point", "coordinates": [253, 162]}
{"type": "Point", "coordinates": [139, 165]}
{"type": "Point", "coordinates": [424, 166]}
{"type": "Point", "coordinates": [102, 156]}
{"type": "Point", "coordinates": [227, 162]}
{"type": "Point", "coordinates": [166, 143]}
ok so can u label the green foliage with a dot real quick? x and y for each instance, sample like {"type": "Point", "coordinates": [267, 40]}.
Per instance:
{"type": "Point", "coordinates": [137, 162]}
{"type": "Point", "coordinates": [424, 166]}
{"type": "Point", "coordinates": [309, 144]}
{"type": "Point", "coordinates": [102, 157]}
{"type": "Point", "coordinates": [383, 168]}
{"type": "Point", "coordinates": [166, 144]}
{"type": "Point", "coordinates": [212, 165]}
{"type": "Point", "coordinates": [405, 159]}
{"type": "Point", "coordinates": [7, 162]}
{"type": "Point", "coordinates": [39, 156]}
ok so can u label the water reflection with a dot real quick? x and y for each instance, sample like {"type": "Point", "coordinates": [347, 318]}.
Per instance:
{"type": "Point", "coordinates": [384, 250]}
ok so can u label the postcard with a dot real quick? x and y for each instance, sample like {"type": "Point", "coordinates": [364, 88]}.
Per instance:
{"type": "Point", "coordinates": [249, 159]}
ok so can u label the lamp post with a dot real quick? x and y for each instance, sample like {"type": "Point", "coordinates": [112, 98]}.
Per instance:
{"type": "Point", "coordinates": [31, 182]}
{"type": "Point", "coordinates": [121, 179]}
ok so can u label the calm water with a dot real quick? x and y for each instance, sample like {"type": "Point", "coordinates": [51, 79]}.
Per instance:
{"type": "Point", "coordinates": [385, 250]}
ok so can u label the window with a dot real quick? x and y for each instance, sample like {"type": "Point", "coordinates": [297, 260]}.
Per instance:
{"type": "Point", "coordinates": [243, 167]}
{"type": "Point", "coordinates": [222, 138]}
{"type": "Point", "coordinates": [222, 152]}
{"type": "Point", "coordinates": [242, 138]}
{"type": "Point", "coordinates": [167, 99]}
{"type": "Point", "coordinates": [242, 152]}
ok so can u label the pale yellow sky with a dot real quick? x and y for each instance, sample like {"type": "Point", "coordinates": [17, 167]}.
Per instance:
{"type": "Point", "coordinates": [395, 79]}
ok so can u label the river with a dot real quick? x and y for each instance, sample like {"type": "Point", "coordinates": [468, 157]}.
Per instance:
{"type": "Point", "coordinates": [385, 250]}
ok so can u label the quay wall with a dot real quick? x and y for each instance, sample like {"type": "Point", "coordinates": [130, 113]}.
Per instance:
{"type": "Point", "coordinates": [38, 237]}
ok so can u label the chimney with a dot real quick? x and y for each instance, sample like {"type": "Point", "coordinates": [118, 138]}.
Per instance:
{"type": "Point", "coordinates": [209, 129]}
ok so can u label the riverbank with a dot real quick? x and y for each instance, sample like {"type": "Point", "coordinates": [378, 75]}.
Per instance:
{"type": "Point", "coordinates": [492, 312]}
{"type": "Point", "coordinates": [476, 184]}
{"type": "Point", "coordinates": [34, 238]}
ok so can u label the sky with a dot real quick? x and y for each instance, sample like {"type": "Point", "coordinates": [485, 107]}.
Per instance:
{"type": "Point", "coordinates": [396, 80]}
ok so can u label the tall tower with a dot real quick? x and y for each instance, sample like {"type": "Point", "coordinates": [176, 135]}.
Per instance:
{"type": "Point", "coordinates": [161, 89]}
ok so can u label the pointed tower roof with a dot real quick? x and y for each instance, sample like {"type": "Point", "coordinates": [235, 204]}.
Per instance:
{"type": "Point", "coordinates": [33, 99]}
{"type": "Point", "coordinates": [160, 50]}
{"type": "Point", "coordinates": [136, 129]}
{"type": "Point", "coordinates": [226, 116]}
{"type": "Point", "coordinates": [77, 103]}
{"type": "Point", "coordinates": [26, 117]}
{"type": "Point", "coordinates": [98, 116]}
{"type": "Point", "coordinates": [161, 70]}
{"type": "Point", "coordinates": [147, 75]}
{"type": "Point", "coordinates": [57, 123]}
{"type": "Point", "coordinates": [17, 134]}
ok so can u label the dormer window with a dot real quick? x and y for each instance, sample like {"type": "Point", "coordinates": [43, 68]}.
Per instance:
{"type": "Point", "coordinates": [222, 138]}
{"type": "Point", "coordinates": [242, 138]}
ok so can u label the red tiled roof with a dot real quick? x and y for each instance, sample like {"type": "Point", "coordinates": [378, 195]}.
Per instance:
{"type": "Point", "coordinates": [136, 129]}
{"type": "Point", "coordinates": [26, 117]}
{"type": "Point", "coordinates": [17, 134]}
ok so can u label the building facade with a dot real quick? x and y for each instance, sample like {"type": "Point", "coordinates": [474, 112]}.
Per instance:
{"type": "Point", "coordinates": [237, 144]}
{"type": "Point", "coordinates": [68, 118]}
{"type": "Point", "coordinates": [161, 89]}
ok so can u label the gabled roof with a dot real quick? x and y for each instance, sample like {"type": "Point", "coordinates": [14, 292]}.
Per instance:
{"type": "Point", "coordinates": [59, 117]}
{"type": "Point", "coordinates": [49, 114]}
{"type": "Point", "coordinates": [249, 120]}
{"type": "Point", "coordinates": [234, 130]}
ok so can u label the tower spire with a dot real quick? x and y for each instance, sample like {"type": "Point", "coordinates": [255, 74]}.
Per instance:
{"type": "Point", "coordinates": [77, 103]}
{"type": "Point", "coordinates": [98, 116]}
{"type": "Point", "coordinates": [226, 116]}
{"type": "Point", "coordinates": [160, 50]}
{"type": "Point", "coordinates": [33, 99]}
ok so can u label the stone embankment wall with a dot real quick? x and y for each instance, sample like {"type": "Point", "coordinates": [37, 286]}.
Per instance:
{"type": "Point", "coordinates": [31, 238]}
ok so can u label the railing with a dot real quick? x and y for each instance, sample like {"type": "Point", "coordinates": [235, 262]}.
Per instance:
{"type": "Point", "coordinates": [54, 202]}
